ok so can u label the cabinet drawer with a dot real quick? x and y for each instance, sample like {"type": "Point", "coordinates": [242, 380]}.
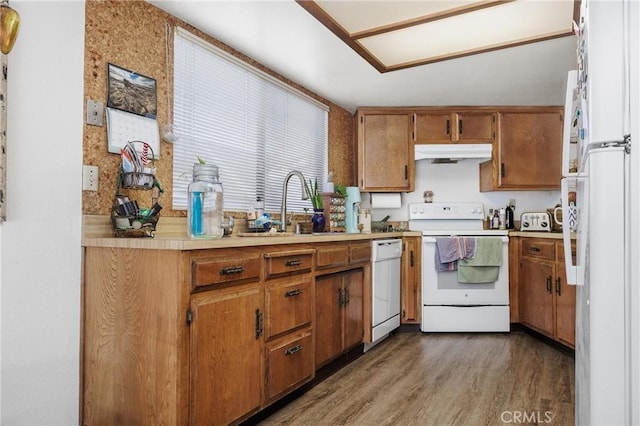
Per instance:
{"type": "Point", "coordinates": [290, 261]}
{"type": "Point", "coordinates": [289, 363]}
{"type": "Point", "coordinates": [560, 252]}
{"type": "Point", "coordinates": [332, 256]}
{"type": "Point", "coordinates": [221, 270]}
{"type": "Point", "coordinates": [360, 253]}
{"type": "Point", "coordinates": [289, 304]}
{"type": "Point", "coordinates": [538, 248]}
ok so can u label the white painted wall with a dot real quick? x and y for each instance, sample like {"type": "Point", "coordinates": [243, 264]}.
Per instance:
{"type": "Point", "coordinates": [40, 263]}
{"type": "Point", "coordinates": [461, 182]}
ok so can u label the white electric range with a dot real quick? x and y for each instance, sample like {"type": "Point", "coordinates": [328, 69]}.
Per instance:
{"type": "Point", "coordinates": [449, 305]}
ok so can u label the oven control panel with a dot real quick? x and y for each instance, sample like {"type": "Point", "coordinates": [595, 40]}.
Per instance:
{"type": "Point", "coordinates": [536, 221]}
{"type": "Point", "coordinates": [458, 211]}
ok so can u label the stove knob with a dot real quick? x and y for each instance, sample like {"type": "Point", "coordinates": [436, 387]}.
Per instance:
{"type": "Point", "coordinates": [525, 224]}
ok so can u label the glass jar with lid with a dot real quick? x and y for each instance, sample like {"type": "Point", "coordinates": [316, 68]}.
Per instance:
{"type": "Point", "coordinates": [204, 203]}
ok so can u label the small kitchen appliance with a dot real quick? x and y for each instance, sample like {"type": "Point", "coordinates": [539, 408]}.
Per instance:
{"type": "Point", "coordinates": [535, 221]}
{"type": "Point", "coordinates": [352, 207]}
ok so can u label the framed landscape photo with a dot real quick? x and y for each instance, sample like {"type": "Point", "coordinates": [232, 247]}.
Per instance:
{"type": "Point", "coordinates": [131, 92]}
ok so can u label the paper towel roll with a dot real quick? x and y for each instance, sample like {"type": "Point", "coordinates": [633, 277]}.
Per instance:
{"type": "Point", "coordinates": [386, 200]}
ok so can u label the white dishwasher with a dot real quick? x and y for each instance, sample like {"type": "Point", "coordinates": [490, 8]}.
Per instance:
{"type": "Point", "coordinates": [385, 282]}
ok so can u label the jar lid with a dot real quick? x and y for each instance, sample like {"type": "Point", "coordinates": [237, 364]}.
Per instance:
{"type": "Point", "coordinates": [205, 170]}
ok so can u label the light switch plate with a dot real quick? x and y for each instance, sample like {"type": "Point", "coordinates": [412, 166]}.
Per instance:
{"type": "Point", "coordinates": [89, 178]}
{"type": "Point", "coordinates": [95, 112]}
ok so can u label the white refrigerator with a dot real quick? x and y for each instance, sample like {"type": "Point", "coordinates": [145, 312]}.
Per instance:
{"type": "Point", "coordinates": [601, 166]}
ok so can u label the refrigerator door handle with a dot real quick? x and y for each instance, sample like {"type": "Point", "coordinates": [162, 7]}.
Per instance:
{"type": "Point", "coordinates": [573, 269]}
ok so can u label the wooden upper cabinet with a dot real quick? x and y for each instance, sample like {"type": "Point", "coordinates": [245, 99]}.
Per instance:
{"type": "Point", "coordinates": [528, 151]}
{"type": "Point", "coordinates": [385, 151]}
{"type": "Point", "coordinates": [439, 127]}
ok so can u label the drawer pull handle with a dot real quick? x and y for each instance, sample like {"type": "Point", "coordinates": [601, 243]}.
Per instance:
{"type": "Point", "coordinates": [259, 323]}
{"type": "Point", "coordinates": [293, 350]}
{"type": "Point", "coordinates": [292, 293]}
{"type": "Point", "coordinates": [295, 262]}
{"type": "Point", "coordinates": [534, 249]}
{"type": "Point", "coordinates": [232, 270]}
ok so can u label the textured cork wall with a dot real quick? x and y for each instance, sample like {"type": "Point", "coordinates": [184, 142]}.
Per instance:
{"type": "Point", "coordinates": [138, 36]}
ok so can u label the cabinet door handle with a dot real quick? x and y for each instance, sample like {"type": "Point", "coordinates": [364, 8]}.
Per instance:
{"type": "Point", "coordinates": [292, 350]}
{"type": "Point", "coordinates": [406, 172]}
{"type": "Point", "coordinates": [259, 323]}
{"type": "Point", "coordinates": [292, 293]}
{"type": "Point", "coordinates": [460, 127]}
{"type": "Point", "coordinates": [340, 297]}
{"type": "Point", "coordinates": [232, 270]}
{"type": "Point", "coordinates": [411, 260]}
{"type": "Point", "coordinates": [448, 127]}
{"type": "Point", "coordinates": [502, 170]}
{"type": "Point", "coordinates": [294, 262]}
{"type": "Point", "coordinates": [534, 249]}
{"type": "Point", "coordinates": [346, 299]}
{"type": "Point", "coordinates": [549, 284]}
{"type": "Point", "coordinates": [558, 282]}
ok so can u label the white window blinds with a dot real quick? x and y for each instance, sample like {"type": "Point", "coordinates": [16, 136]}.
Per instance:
{"type": "Point", "coordinates": [252, 126]}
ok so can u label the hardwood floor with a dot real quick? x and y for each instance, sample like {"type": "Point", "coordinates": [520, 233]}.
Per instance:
{"type": "Point", "coordinates": [443, 379]}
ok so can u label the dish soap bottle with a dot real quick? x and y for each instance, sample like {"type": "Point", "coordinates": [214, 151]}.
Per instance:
{"type": "Point", "coordinates": [204, 203]}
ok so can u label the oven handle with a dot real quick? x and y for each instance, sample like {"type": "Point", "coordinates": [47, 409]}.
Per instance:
{"type": "Point", "coordinates": [432, 240]}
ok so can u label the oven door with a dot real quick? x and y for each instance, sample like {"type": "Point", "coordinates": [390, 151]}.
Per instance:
{"type": "Point", "coordinates": [442, 288]}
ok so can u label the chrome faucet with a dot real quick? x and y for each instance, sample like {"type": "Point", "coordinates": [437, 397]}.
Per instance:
{"type": "Point", "coordinates": [283, 209]}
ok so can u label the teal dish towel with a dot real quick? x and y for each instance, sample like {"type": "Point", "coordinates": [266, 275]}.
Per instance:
{"type": "Point", "coordinates": [484, 267]}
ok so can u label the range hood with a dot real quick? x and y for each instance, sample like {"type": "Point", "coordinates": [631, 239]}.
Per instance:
{"type": "Point", "coordinates": [451, 153]}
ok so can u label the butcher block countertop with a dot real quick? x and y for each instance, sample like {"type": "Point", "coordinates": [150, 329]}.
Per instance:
{"type": "Point", "coordinates": [171, 235]}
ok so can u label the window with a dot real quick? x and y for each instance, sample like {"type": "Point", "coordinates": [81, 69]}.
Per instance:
{"type": "Point", "coordinates": [252, 126]}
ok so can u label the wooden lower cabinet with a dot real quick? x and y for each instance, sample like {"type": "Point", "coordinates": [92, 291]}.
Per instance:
{"type": "Point", "coordinates": [211, 337]}
{"type": "Point", "coordinates": [328, 317]}
{"type": "Point", "coordinates": [226, 354]}
{"type": "Point", "coordinates": [536, 294]}
{"type": "Point", "coordinates": [546, 302]}
{"type": "Point", "coordinates": [289, 363]}
{"type": "Point", "coordinates": [411, 282]}
{"type": "Point", "coordinates": [339, 313]}
{"type": "Point", "coordinates": [353, 328]}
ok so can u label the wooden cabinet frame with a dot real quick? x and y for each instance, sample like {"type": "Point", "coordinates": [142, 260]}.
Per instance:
{"type": "Point", "coordinates": [167, 333]}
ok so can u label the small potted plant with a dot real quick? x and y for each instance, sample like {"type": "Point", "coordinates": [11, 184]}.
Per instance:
{"type": "Point", "coordinates": [318, 220]}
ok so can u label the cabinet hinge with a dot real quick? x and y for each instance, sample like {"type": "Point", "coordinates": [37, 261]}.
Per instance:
{"type": "Point", "coordinates": [189, 317]}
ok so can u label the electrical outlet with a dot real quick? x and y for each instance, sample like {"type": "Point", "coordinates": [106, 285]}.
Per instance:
{"type": "Point", "coordinates": [89, 178]}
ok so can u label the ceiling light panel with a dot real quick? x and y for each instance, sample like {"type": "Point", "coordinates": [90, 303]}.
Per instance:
{"type": "Point", "coordinates": [359, 16]}
{"type": "Point", "coordinates": [510, 23]}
